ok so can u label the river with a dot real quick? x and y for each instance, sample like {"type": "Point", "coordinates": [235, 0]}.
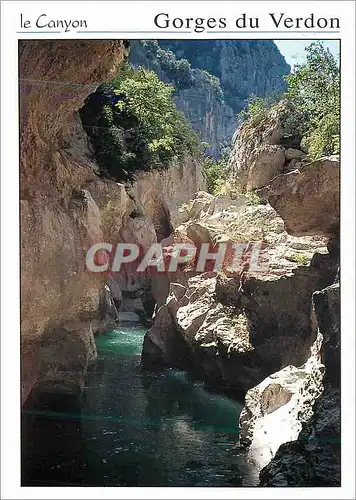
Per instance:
{"type": "Point", "coordinates": [132, 427]}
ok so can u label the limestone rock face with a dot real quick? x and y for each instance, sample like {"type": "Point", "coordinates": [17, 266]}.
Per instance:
{"type": "Point", "coordinates": [60, 217]}
{"type": "Point", "coordinates": [231, 324]}
{"type": "Point", "coordinates": [327, 310]}
{"type": "Point", "coordinates": [293, 154]}
{"type": "Point", "coordinates": [264, 149]}
{"type": "Point", "coordinates": [66, 208]}
{"type": "Point", "coordinates": [307, 199]}
{"type": "Point", "coordinates": [314, 457]}
{"type": "Point", "coordinates": [267, 164]}
{"type": "Point", "coordinates": [276, 409]}
{"type": "Point", "coordinates": [318, 186]}
{"type": "Point", "coordinates": [198, 233]}
{"type": "Point", "coordinates": [211, 117]}
{"type": "Point", "coordinates": [232, 335]}
{"type": "Point", "coordinates": [162, 345]}
{"type": "Point", "coordinates": [160, 193]}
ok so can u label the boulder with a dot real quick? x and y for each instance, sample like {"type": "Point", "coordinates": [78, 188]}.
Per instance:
{"type": "Point", "coordinates": [275, 410]}
{"type": "Point", "coordinates": [198, 233]}
{"type": "Point", "coordinates": [268, 162]}
{"type": "Point", "coordinates": [258, 153]}
{"type": "Point", "coordinates": [308, 199]}
{"type": "Point", "coordinates": [293, 154]}
{"type": "Point", "coordinates": [162, 344]}
{"type": "Point", "coordinates": [203, 204]}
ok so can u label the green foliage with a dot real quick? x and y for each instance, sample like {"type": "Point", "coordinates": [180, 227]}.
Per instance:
{"type": "Point", "coordinates": [257, 109]}
{"type": "Point", "coordinates": [253, 198]}
{"type": "Point", "coordinates": [314, 89]}
{"type": "Point", "coordinates": [214, 171]}
{"type": "Point", "coordinates": [211, 82]}
{"type": "Point", "coordinates": [178, 71]}
{"type": "Point", "coordinates": [225, 188]}
{"type": "Point", "coordinates": [313, 103]}
{"type": "Point", "coordinates": [300, 258]}
{"type": "Point", "coordinates": [251, 64]}
{"type": "Point", "coordinates": [134, 124]}
{"type": "Point", "coordinates": [314, 86]}
{"type": "Point", "coordinates": [325, 137]}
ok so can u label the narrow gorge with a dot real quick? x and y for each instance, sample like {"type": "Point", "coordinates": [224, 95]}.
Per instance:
{"type": "Point", "coordinates": [193, 377]}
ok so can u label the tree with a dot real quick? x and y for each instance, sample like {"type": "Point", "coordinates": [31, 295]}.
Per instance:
{"type": "Point", "coordinates": [134, 124]}
{"type": "Point", "coordinates": [313, 95]}
{"type": "Point", "coordinates": [314, 88]}
{"type": "Point", "coordinates": [162, 126]}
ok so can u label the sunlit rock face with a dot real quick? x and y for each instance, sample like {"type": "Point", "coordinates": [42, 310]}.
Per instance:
{"type": "Point", "coordinates": [265, 148]}
{"type": "Point", "coordinates": [276, 409]}
{"type": "Point", "coordinates": [317, 184]}
{"type": "Point", "coordinates": [306, 195]}
{"type": "Point", "coordinates": [227, 328]}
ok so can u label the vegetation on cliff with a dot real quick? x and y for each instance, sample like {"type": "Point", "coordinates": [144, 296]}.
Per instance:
{"type": "Point", "coordinates": [170, 68]}
{"type": "Point", "coordinates": [313, 95]}
{"type": "Point", "coordinates": [242, 67]}
{"type": "Point", "coordinates": [134, 125]}
{"type": "Point", "coordinates": [213, 79]}
{"type": "Point", "coordinates": [314, 88]}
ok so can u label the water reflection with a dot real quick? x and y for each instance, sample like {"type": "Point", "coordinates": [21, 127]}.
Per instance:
{"type": "Point", "coordinates": [133, 428]}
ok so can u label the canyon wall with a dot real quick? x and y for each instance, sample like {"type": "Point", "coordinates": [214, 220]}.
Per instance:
{"type": "Point", "coordinates": [228, 324]}
{"type": "Point", "coordinates": [214, 79]}
{"type": "Point", "coordinates": [310, 455]}
{"type": "Point", "coordinates": [271, 333]}
{"type": "Point", "coordinates": [66, 208]}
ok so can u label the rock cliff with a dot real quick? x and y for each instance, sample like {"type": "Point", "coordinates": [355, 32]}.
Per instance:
{"type": "Point", "coordinates": [66, 208]}
{"type": "Point", "coordinates": [305, 399]}
{"type": "Point", "coordinates": [244, 67]}
{"type": "Point", "coordinates": [214, 79]}
{"type": "Point", "coordinates": [265, 147]}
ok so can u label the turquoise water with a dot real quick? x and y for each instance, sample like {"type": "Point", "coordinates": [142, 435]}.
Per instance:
{"type": "Point", "coordinates": [132, 427]}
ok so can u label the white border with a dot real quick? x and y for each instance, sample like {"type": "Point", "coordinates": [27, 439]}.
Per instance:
{"type": "Point", "coordinates": [138, 16]}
